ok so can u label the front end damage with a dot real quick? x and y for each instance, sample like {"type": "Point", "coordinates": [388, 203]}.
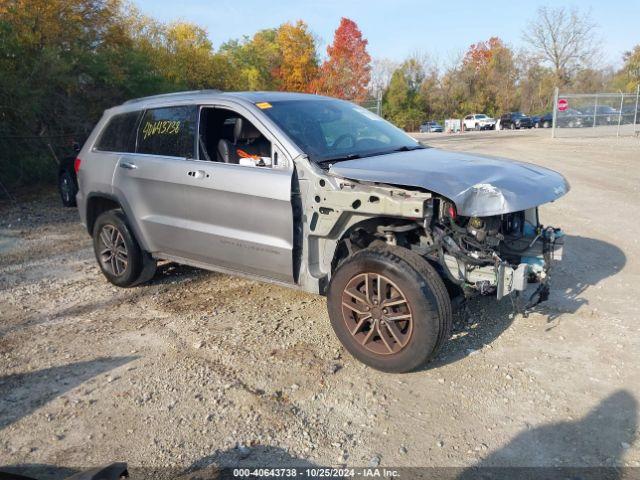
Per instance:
{"type": "Point", "coordinates": [480, 225]}
{"type": "Point", "coordinates": [495, 255]}
{"type": "Point", "coordinates": [499, 254]}
{"type": "Point", "coordinates": [483, 239]}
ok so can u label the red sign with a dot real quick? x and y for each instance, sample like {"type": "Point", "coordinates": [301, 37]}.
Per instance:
{"type": "Point", "coordinates": [563, 104]}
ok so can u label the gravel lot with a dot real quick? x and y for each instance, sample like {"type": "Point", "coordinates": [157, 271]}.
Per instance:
{"type": "Point", "coordinates": [199, 369]}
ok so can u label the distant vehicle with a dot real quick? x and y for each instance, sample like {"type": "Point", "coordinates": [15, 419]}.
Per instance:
{"type": "Point", "coordinates": [67, 181]}
{"type": "Point", "coordinates": [570, 118]}
{"type": "Point", "coordinates": [629, 113]}
{"type": "Point", "coordinates": [479, 121]}
{"type": "Point", "coordinates": [429, 127]}
{"type": "Point", "coordinates": [573, 118]}
{"type": "Point", "coordinates": [542, 121]}
{"type": "Point", "coordinates": [605, 115]}
{"type": "Point", "coordinates": [515, 120]}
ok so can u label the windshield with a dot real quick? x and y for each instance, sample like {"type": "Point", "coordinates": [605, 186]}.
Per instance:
{"type": "Point", "coordinates": [518, 114]}
{"type": "Point", "coordinates": [327, 129]}
{"type": "Point", "coordinates": [481, 116]}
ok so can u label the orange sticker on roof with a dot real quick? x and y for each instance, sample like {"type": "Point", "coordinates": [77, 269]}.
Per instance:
{"type": "Point", "coordinates": [263, 105]}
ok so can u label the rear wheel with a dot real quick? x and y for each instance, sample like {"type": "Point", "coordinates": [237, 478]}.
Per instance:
{"type": "Point", "coordinates": [389, 309]}
{"type": "Point", "coordinates": [546, 124]}
{"type": "Point", "coordinates": [119, 255]}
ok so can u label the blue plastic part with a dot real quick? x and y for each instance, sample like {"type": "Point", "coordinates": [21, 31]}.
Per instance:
{"type": "Point", "coordinates": [535, 263]}
{"type": "Point", "coordinates": [529, 230]}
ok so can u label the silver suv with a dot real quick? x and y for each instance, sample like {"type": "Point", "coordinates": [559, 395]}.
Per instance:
{"type": "Point", "coordinates": [317, 194]}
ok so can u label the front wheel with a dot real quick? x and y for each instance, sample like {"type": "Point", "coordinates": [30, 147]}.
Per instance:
{"type": "Point", "coordinates": [389, 308]}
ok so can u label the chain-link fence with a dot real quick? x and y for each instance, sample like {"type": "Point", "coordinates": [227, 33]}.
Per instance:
{"type": "Point", "coordinates": [594, 114]}
{"type": "Point", "coordinates": [373, 104]}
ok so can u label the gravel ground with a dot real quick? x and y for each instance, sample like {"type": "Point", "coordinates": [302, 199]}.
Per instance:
{"type": "Point", "coordinates": [198, 369]}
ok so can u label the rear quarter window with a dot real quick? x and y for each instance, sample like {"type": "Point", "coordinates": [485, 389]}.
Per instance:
{"type": "Point", "coordinates": [169, 131]}
{"type": "Point", "coordinates": [119, 135]}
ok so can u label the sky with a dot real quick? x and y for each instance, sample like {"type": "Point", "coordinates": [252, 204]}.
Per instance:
{"type": "Point", "coordinates": [396, 29]}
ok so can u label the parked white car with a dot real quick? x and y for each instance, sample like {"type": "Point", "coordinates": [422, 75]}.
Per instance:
{"type": "Point", "coordinates": [479, 121]}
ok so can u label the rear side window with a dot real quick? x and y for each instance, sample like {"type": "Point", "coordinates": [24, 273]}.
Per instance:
{"type": "Point", "coordinates": [120, 133]}
{"type": "Point", "coordinates": [169, 131]}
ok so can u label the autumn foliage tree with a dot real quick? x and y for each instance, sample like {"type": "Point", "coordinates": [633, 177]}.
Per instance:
{"type": "Point", "coordinates": [489, 72]}
{"type": "Point", "coordinates": [347, 71]}
{"type": "Point", "coordinates": [299, 63]}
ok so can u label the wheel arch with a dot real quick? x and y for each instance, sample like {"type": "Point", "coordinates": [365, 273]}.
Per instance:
{"type": "Point", "coordinates": [360, 235]}
{"type": "Point", "coordinates": [98, 203]}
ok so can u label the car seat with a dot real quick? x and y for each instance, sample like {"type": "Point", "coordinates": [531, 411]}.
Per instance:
{"type": "Point", "coordinates": [247, 141]}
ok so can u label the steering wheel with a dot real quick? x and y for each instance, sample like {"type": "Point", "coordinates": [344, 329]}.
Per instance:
{"type": "Point", "coordinates": [342, 138]}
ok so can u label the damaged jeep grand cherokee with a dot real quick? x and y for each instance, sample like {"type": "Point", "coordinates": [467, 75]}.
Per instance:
{"type": "Point", "coordinates": [321, 195]}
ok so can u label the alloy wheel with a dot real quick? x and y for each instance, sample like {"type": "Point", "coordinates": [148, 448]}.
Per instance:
{"type": "Point", "coordinates": [377, 313]}
{"type": "Point", "coordinates": [113, 251]}
{"type": "Point", "coordinates": [66, 188]}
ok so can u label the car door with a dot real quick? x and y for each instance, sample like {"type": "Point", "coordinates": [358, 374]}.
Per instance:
{"type": "Point", "coordinates": [239, 217]}
{"type": "Point", "coordinates": [151, 180]}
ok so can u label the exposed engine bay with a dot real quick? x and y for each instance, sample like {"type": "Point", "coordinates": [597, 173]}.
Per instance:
{"type": "Point", "coordinates": [498, 254]}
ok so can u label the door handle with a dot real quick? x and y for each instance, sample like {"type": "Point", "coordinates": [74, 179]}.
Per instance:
{"type": "Point", "coordinates": [128, 165]}
{"type": "Point", "coordinates": [198, 174]}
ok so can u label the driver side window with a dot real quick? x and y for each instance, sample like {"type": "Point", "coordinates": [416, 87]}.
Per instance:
{"type": "Point", "coordinates": [226, 136]}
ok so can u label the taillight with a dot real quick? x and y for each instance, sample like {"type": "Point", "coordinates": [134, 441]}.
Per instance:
{"type": "Point", "coordinates": [76, 164]}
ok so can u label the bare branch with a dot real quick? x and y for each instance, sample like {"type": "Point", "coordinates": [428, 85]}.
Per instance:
{"type": "Point", "coordinates": [564, 39]}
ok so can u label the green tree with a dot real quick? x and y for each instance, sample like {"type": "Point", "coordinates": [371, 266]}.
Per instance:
{"type": "Point", "coordinates": [402, 102]}
{"type": "Point", "coordinates": [628, 78]}
{"type": "Point", "coordinates": [255, 60]}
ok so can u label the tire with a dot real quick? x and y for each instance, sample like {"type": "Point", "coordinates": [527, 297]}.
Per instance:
{"type": "Point", "coordinates": [129, 265]}
{"type": "Point", "coordinates": [546, 124]}
{"type": "Point", "coordinates": [67, 188]}
{"type": "Point", "coordinates": [420, 300]}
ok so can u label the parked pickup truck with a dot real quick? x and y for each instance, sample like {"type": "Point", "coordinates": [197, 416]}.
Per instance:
{"type": "Point", "coordinates": [321, 195]}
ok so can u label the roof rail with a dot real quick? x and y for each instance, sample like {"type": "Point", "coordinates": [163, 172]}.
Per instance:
{"type": "Point", "coordinates": [173, 94]}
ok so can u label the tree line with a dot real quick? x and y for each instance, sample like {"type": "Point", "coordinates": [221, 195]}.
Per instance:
{"type": "Point", "coordinates": [561, 49]}
{"type": "Point", "coordinates": [64, 61]}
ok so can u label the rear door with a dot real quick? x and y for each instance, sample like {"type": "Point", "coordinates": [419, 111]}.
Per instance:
{"type": "Point", "coordinates": [151, 179]}
{"type": "Point", "coordinates": [240, 217]}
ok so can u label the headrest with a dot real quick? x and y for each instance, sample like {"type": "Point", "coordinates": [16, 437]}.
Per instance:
{"type": "Point", "coordinates": [244, 130]}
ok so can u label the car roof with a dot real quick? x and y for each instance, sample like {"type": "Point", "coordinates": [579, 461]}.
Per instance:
{"type": "Point", "coordinates": [212, 95]}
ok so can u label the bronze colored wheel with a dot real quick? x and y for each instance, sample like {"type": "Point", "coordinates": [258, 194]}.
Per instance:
{"type": "Point", "coordinates": [376, 313]}
{"type": "Point", "coordinates": [389, 308]}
